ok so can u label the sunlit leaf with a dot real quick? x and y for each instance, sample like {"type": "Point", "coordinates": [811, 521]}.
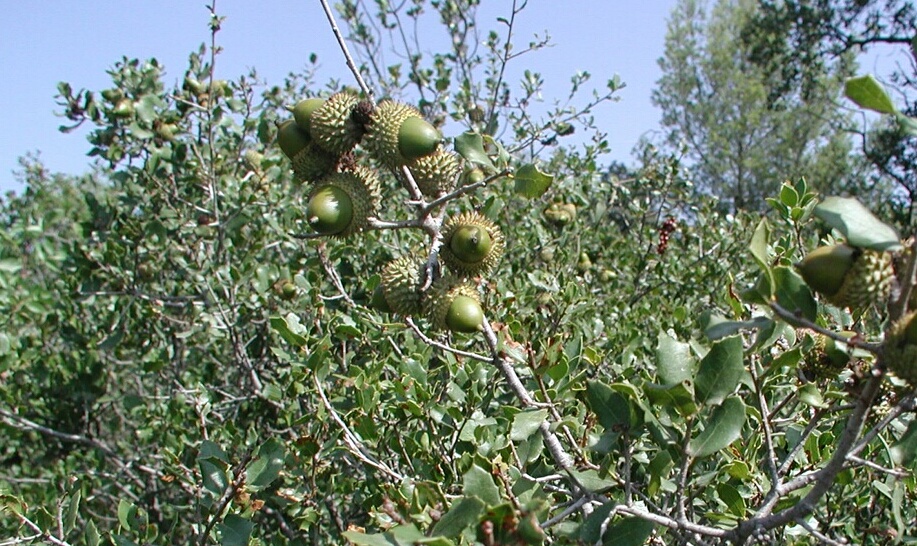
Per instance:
{"type": "Point", "coordinates": [531, 182]}
{"type": "Point", "coordinates": [462, 514]}
{"type": "Point", "coordinates": [868, 93]}
{"type": "Point", "coordinates": [793, 294]}
{"type": "Point", "coordinates": [470, 146]}
{"type": "Point", "coordinates": [858, 224]}
{"type": "Point", "coordinates": [628, 532]}
{"type": "Point", "coordinates": [719, 371]}
{"type": "Point", "coordinates": [479, 483]}
{"type": "Point", "coordinates": [722, 428]}
{"type": "Point", "coordinates": [674, 361]}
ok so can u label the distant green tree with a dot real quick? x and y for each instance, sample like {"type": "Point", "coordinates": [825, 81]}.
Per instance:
{"type": "Point", "coordinates": [744, 131]}
{"type": "Point", "coordinates": [796, 41]}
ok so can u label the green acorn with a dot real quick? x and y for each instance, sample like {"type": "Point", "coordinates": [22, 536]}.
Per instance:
{"type": "Point", "coordinates": [310, 162]}
{"type": "Point", "coordinates": [435, 173]}
{"type": "Point", "coordinates": [291, 138]}
{"type": "Point", "coordinates": [827, 358]}
{"type": "Point", "coordinates": [302, 112]}
{"type": "Point", "coordinates": [453, 303]}
{"type": "Point", "coordinates": [472, 244]}
{"type": "Point", "coordinates": [560, 214]}
{"type": "Point", "coordinates": [397, 134]}
{"type": "Point", "coordinates": [401, 285]}
{"type": "Point", "coordinates": [899, 352]}
{"type": "Point", "coordinates": [342, 203]}
{"type": "Point", "coordinates": [331, 124]}
{"type": "Point", "coordinates": [848, 276]}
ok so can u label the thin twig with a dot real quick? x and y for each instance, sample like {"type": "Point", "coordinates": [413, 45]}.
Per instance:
{"type": "Point", "coordinates": [798, 320]}
{"type": "Point", "coordinates": [343, 45]}
{"type": "Point", "coordinates": [351, 440]}
{"type": "Point", "coordinates": [432, 342]}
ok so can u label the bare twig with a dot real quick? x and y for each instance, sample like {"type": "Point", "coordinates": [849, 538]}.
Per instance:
{"type": "Point", "coordinates": [351, 440]}
{"type": "Point", "coordinates": [342, 43]}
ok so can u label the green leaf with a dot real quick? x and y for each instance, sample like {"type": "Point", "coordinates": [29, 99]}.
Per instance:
{"type": "Point", "coordinates": [531, 182]}
{"type": "Point", "coordinates": [904, 451]}
{"type": "Point", "coordinates": [266, 466]}
{"type": "Point", "coordinates": [611, 407]}
{"type": "Point", "coordinates": [867, 93]}
{"type": "Point", "coordinates": [811, 396]}
{"type": "Point", "coordinates": [733, 500]}
{"type": "Point", "coordinates": [526, 423]}
{"type": "Point", "coordinates": [718, 326]}
{"type": "Point", "coordinates": [460, 516]}
{"type": "Point", "coordinates": [793, 294]}
{"type": "Point", "coordinates": [628, 532]}
{"type": "Point", "coordinates": [470, 145]}
{"type": "Point", "coordinates": [674, 361]}
{"type": "Point", "coordinates": [235, 531]}
{"type": "Point", "coordinates": [126, 514]}
{"type": "Point", "coordinates": [362, 539]}
{"type": "Point", "coordinates": [858, 224]}
{"type": "Point", "coordinates": [479, 483]}
{"type": "Point", "coordinates": [279, 324]}
{"type": "Point", "coordinates": [10, 265]}
{"type": "Point", "coordinates": [679, 396]}
{"type": "Point", "coordinates": [720, 371]}
{"type": "Point", "coordinates": [214, 477]}
{"type": "Point", "coordinates": [73, 510]}
{"type": "Point", "coordinates": [908, 124]}
{"type": "Point", "coordinates": [591, 480]}
{"type": "Point", "coordinates": [93, 538]}
{"type": "Point", "coordinates": [723, 428]}
{"type": "Point", "coordinates": [591, 530]}
{"type": "Point", "coordinates": [758, 249]}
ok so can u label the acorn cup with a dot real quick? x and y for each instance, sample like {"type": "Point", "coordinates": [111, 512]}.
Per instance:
{"type": "Point", "coordinates": [397, 134]}
{"type": "Point", "coordinates": [330, 123]}
{"type": "Point", "coordinates": [435, 173]}
{"type": "Point", "coordinates": [472, 244]}
{"type": "Point", "coordinates": [342, 203]}
{"type": "Point", "coordinates": [899, 352]}
{"type": "Point", "coordinates": [400, 285]}
{"type": "Point", "coordinates": [452, 303]}
{"type": "Point", "coordinates": [848, 276]}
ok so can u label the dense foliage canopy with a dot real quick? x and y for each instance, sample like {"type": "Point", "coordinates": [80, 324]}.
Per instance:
{"type": "Point", "coordinates": [183, 360]}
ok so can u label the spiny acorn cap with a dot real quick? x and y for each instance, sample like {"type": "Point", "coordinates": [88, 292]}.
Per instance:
{"type": "Point", "coordinates": [362, 187]}
{"type": "Point", "coordinates": [453, 303]}
{"type": "Point", "coordinates": [393, 140]}
{"type": "Point", "coordinates": [401, 285]}
{"type": "Point", "coordinates": [848, 276]}
{"type": "Point", "coordinates": [435, 173]}
{"type": "Point", "coordinates": [868, 282]}
{"type": "Point", "coordinates": [472, 244]}
{"type": "Point", "coordinates": [331, 124]}
{"type": "Point", "coordinates": [827, 358]}
{"type": "Point", "coordinates": [313, 163]}
{"type": "Point", "coordinates": [899, 352]}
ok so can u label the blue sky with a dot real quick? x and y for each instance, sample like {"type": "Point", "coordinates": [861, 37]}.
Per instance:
{"type": "Point", "coordinates": [42, 43]}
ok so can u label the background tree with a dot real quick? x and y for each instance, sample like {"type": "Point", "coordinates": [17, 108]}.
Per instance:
{"type": "Point", "coordinates": [744, 131]}
{"type": "Point", "coordinates": [796, 41]}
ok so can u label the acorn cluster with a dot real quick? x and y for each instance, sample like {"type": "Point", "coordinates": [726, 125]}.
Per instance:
{"type": "Point", "coordinates": [337, 146]}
